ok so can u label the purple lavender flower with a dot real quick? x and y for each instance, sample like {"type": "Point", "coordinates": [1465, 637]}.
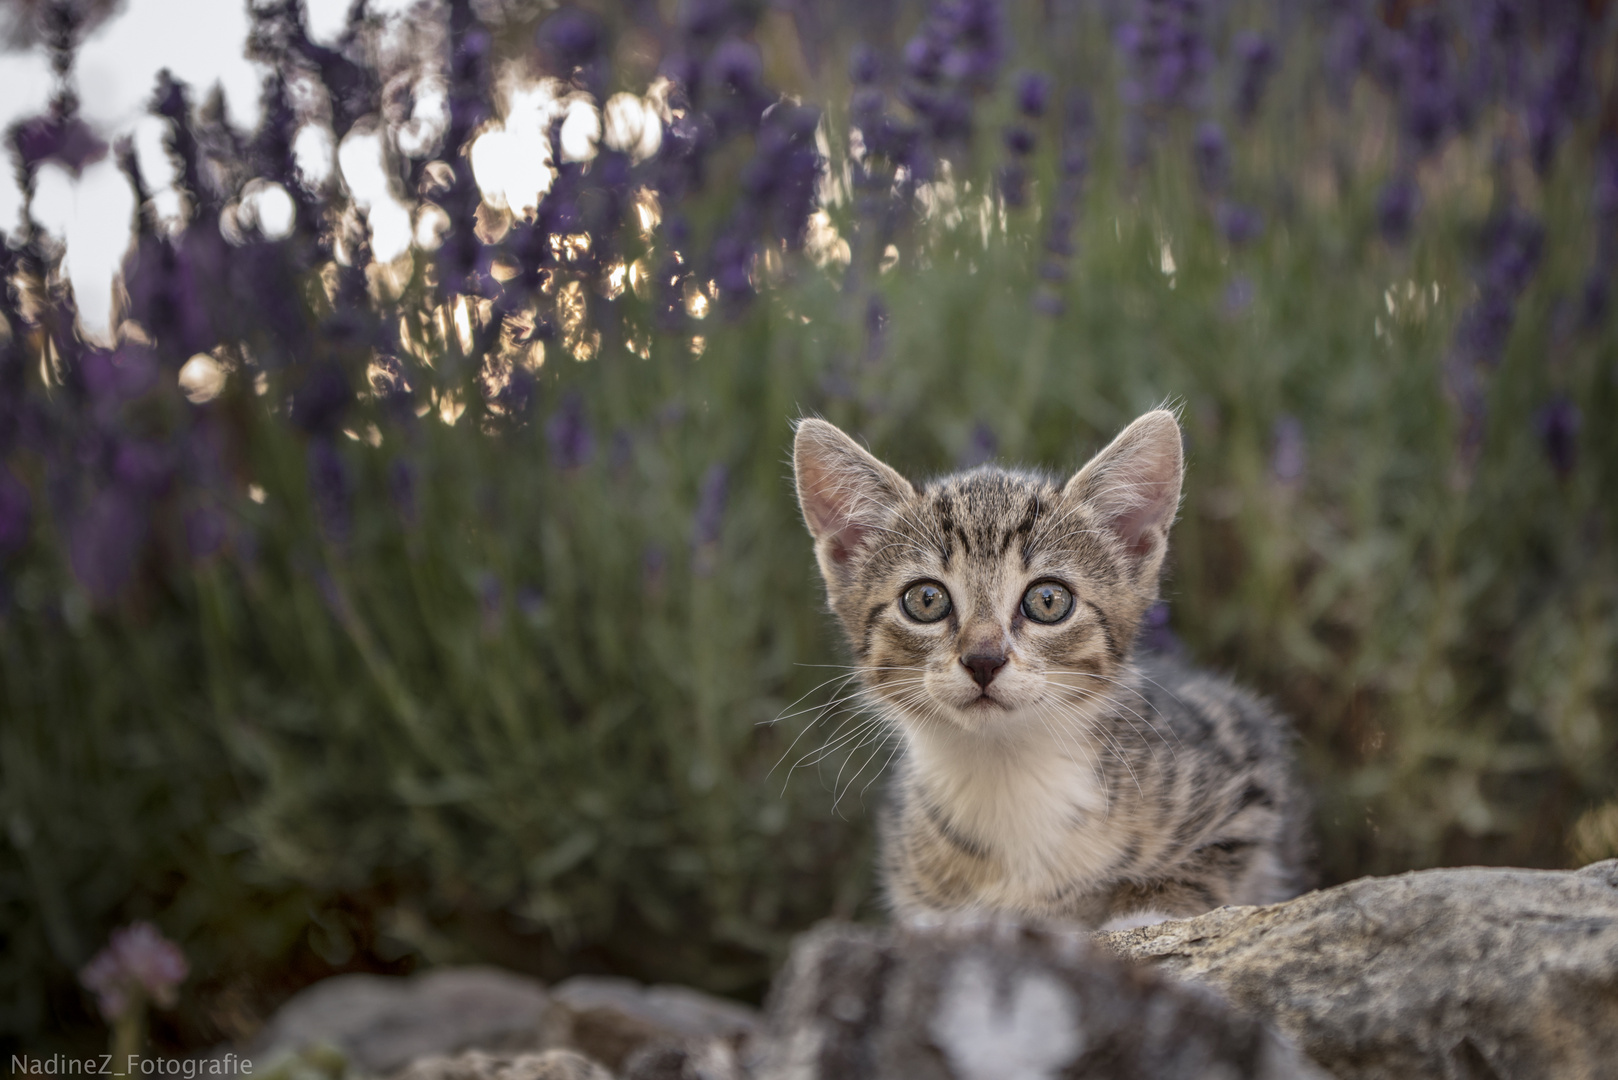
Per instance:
{"type": "Point", "coordinates": [1348, 48]}
{"type": "Point", "coordinates": [923, 58]}
{"type": "Point", "coordinates": [981, 447]}
{"type": "Point", "coordinates": [863, 65]}
{"type": "Point", "coordinates": [138, 964]}
{"type": "Point", "coordinates": [205, 531]}
{"type": "Point", "coordinates": [1013, 183]}
{"type": "Point", "coordinates": [1033, 91]}
{"type": "Point", "coordinates": [66, 140]}
{"type": "Point", "coordinates": [1156, 635]}
{"type": "Point", "coordinates": [105, 541]}
{"type": "Point", "coordinates": [331, 488]}
{"type": "Point", "coordinates": [1168, 53]}
{"type": "Point", "coordinates": [1560, 99]}
{"type": "Point", "coordinates": [1427, 91]}
{"type": "Point", "coordinates": [1557, 424]}
{"type": "Point", "coordinates": [1241, 225]}
{"type": "Point", "coordinates": [709, 519]}
{"type": "Point", "coordinates": [143, 466]}
{"type": "Point", "coordinates": [319, 403]}
{"type": "Point", "coordinates": [1212, 155]}
{"type": "Point", "coordinates": [1238, 295]}
{"type": "Point", "coordinates": [402, 490]}
{"type": "Point", "coordinates": [491, 602]}
{"type": "Point", "coordinates": [572, 38]}
{"type": "Point", "coordinates": [1288, 453]}
{"type": "Point", "coordinates": [1256, 55]}
{"type": "Point", "coordinates": [1019, 140]}
{"type": "Point", "coordinates": [654, 561]}
{"type": "Point", "coordinates": [876, 328]}
{"type": "Point", "coordinates": [16, 510]}
{"type": "Point", "coordinates": [568, 431]}
{"type": "Point", "coordinates": [119, 375]}
{"type": "Point", "coordinates": [736, 68]}
{"type": "Point", "coordinates": [1396, 209]}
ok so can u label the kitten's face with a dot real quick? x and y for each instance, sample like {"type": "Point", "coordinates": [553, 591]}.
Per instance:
{"type": "Point", "coordinates": [990, 599]}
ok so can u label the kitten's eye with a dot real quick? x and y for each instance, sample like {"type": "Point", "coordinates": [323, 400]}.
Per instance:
{"type": "Point", "coordinates": [1047, 602]}
{"type": "Point", "coordinates": [926, 601]}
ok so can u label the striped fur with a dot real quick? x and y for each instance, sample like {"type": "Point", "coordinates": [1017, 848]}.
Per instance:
{"type": "Point", "coordinates": [1076, 782]}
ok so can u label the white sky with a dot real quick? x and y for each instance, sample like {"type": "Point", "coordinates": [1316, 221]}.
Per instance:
{"type": "Point", "coordinates": [202, 43]}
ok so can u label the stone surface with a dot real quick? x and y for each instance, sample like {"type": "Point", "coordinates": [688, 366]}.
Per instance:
{"type": "Point", "coordinates": [1474, 974]}
{"type": "Point", "coordinates": [997, 1002]}
{"type": "Point", "coordinates": [380, 1023]}
{"type": "Point", "coordinates": [714, 1059]}
{"type": "Point", "coordinates": [611, 1018]}
{"type": "Point", "coordinates": [477, 1065]}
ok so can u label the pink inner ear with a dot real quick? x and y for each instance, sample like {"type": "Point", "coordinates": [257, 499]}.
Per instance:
{"type": "Point", "coordinates": [845, 540]}
{"type": "Point", "coordinates": [1138, 526]}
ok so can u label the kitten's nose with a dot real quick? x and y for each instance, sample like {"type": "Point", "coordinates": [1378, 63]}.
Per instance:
{"type": "Point", "coordinates": [983, 666]}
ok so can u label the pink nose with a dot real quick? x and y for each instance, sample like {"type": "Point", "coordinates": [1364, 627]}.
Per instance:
{"type": "Point", "coordinates": [984, 666]}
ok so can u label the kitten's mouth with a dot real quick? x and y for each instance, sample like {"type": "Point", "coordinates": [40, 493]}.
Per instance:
{"type": "Point", "coordinates": [985, 700]}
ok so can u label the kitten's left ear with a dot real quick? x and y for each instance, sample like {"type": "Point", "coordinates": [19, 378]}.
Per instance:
{"type": "Point", "coordinates": [844, 491]}
{"type": "Point", "coordinates": [1134, 486]}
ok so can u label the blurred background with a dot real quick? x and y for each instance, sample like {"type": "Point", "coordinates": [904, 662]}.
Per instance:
{"type": "Point", "coordinates": [398, 559]}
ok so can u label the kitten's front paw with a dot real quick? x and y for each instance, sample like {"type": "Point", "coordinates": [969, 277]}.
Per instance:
{"type": "Point", "coordinates": [1134, 920]}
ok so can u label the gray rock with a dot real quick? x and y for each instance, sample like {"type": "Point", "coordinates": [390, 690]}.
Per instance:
{"type": "Point", "coordinates": [381, 1023]}
{"type": "Point", "coordinates": [997, 1002]}
{"type": "Point", "coordinates": [611, 1018]}
{"type": "Point", "coordinates": [1471, 974]}
{"type": "Point", "coordinates": [477, 1065]}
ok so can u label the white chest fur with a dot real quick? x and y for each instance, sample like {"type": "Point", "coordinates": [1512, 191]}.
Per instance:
{"type": "Point", "coordinates": [1029, 798]}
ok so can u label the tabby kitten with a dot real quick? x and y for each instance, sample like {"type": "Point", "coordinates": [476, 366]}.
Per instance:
{"type": "Point", "coordinates": [1045, 770]}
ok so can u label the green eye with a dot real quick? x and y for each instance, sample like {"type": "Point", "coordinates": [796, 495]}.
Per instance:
{"type": "Point", "coordinates": [926, 601]}
{"type": "Point", "coordinates": [1047, 602]}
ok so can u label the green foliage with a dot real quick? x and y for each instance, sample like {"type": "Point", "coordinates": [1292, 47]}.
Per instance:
{"type": "Point", "coordinates": [532, 724]}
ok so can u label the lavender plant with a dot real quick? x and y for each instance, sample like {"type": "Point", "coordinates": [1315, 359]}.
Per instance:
{"type": "Point", "coordinates": [361, 609]}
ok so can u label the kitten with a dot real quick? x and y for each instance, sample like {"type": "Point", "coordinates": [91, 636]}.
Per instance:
{"type": "Point", "coordinates": [1045, 770]}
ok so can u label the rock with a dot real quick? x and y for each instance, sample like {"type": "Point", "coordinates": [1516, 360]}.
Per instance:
{"type": "Point", "coordinates": [1474, 974]}
{"type": "Point", "coordinates": [715, 1059]}
{"type": "Point", "coordinates": [610, 1018]}
{"type": "Point", "coordinates": [477, 1065]}
{"type": "Point", "coordinates": [381, 1023]}
{"type": "Point", "coordinates": [992, 1001]}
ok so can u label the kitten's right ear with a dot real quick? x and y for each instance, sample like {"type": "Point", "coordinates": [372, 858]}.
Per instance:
{"type": "Point", "coordinates": [845, 493]}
